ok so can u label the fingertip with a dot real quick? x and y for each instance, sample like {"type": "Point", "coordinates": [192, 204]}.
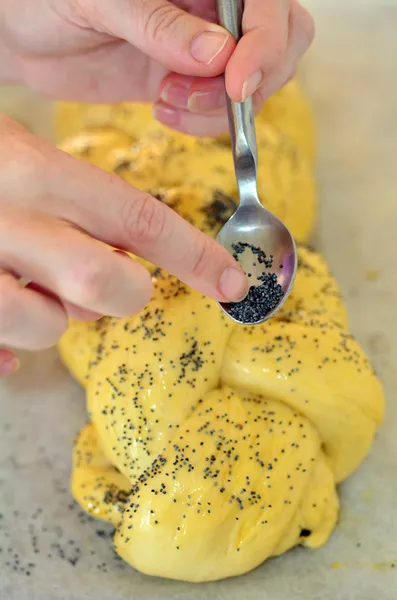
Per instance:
{"type": "Point", "coordinates": [9, 363]}
{"type": "Point", "coordinates": [80, 314]}
{"type": "Point", "coordinates": [251, 84]}
{"type": "Point", "coordinates": [233, 284]}
{"type": "Point", "coordinates": [140, 286]}
{"type": "Point", "coordinates": [168, 115]}
{"type": "Point", "coordinates": [253, 61]}
{"type": "Point", "coordinates": [190, 123]}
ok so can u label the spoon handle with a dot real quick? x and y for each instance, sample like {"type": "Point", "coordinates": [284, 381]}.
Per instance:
{"type": "Point", "coordinates": [241, 115]}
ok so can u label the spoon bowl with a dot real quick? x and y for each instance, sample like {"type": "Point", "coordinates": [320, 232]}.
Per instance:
{"type": "Point", "coordinates": [256, 226]}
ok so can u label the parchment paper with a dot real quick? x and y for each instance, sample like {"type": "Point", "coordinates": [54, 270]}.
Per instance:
{"type": "Point", "coordinates": [50, 550]}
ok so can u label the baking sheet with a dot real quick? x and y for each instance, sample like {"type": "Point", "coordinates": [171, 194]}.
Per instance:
{"type": "Point", "coordinates": [50, 550]}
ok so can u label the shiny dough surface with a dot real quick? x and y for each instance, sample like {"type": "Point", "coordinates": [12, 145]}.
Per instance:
{"type": "Point", "coordinates": [211, 447]}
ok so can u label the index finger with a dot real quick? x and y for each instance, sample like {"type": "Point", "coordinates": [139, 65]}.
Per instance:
{"type": "Point", "coordinates": [113, 211]}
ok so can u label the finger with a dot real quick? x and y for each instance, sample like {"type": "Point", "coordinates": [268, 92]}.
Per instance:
{"type": "Point", "coordinates": [206, 95]}
{"type": "Point", "coordinates": [198, 95]}
{"type": "Point", "coordinates": [8, 363]}
{"type": "Point", "coordinates": [73, 311]}
{"type": "Point", "coordinates": [28, 319]}
{"type": "Point", "coordinates": [265, 28]}
{"type": "Point", "coordinates": [196, 124]}
{"type": "Point", "coordinates": [300, 35]}
{"type": "Point", "coordinates": [72, 266]}
{"type": "Point", "coordinates": [262, 49]}
{"type": "Point", "coordinates": [177, 40]}
{"type": "Point", "coordinates": [111, 210]}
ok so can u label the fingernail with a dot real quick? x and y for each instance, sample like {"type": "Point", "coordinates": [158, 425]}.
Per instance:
{"type": "Point", "coordinates": [207, 45]}
{"type": "Point", "coordinates": [233, 284]}
{"type": "Point", "coordinates": [200, 102]}
{"type": "Point", "coordinates": [175, 94]}
{"type": "Point", "coordinates": [252, 83]}
{"type": "Point", "coordinates": [9, 365]}
{"type": "Point", "coordinates": [166, 114]}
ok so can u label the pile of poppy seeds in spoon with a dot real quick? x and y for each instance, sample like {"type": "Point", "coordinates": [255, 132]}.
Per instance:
{"type": "Point", "coordinates": [261, 299]}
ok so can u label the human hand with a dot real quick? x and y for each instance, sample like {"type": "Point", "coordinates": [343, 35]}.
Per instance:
{"type": "Point", "coordinates": [53, 209]}
{"type": "Point", "coordinates": [169, 53]}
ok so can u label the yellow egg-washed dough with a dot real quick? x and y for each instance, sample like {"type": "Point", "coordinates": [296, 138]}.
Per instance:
{"type": "Point", "coordinates": [211, 446]}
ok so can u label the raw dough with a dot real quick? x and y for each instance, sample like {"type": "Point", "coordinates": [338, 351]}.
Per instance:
{"type": "Point", "coordinates": [211, 446]}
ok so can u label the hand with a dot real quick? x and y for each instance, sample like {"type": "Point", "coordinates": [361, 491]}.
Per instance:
{"type": "Point", "coordinates": [53, 209]}
{"type": "Point", "coordinates": [170, 53]}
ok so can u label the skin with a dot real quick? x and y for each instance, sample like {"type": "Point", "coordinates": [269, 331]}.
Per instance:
{"type": "Point", "coordinates": [54, 209]}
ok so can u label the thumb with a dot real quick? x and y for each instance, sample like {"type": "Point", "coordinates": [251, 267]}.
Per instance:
{"type": "Point", "coordinates": [179, 41]}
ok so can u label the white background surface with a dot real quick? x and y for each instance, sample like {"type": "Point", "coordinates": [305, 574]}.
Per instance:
{"type": "Point", "coordinates": [351, 75]}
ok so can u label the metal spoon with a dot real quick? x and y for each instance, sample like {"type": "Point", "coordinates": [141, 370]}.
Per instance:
{"type": "Point", "coordinates": [252, 223]}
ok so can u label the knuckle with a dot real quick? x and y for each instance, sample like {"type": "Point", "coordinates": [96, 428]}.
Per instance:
{"type": "Point", "coordinates": [144, 220]}
{"type": "Point", "coordinates": [161, 19]}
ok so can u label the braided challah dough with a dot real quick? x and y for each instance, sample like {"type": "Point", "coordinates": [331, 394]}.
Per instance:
{"type": "Point", "coordinates": [213, 446]}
